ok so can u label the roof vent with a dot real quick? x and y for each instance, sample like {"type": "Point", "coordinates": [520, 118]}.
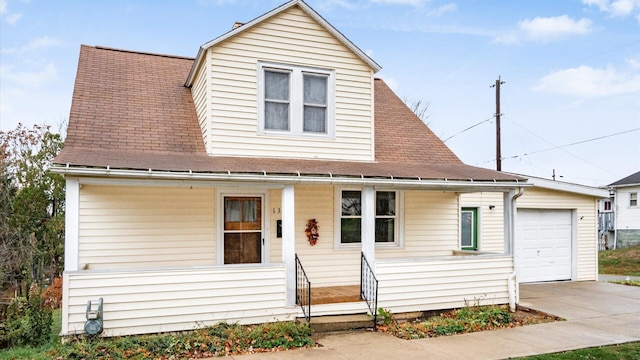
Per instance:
{"type": "Point", "coordinates": [236, 25]}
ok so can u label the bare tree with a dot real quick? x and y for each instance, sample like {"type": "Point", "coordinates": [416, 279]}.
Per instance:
{"type": "Point", "coordinates": [419, 108]}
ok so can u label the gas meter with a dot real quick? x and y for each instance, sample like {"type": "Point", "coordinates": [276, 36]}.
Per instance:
{"type": "Point", "coordinates": [93, 326]}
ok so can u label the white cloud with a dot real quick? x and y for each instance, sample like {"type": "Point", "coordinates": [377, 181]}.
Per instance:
{"type": "Point", "coordinates": [634, 64]}
{"type": "Point", "coordinates": [36, 44]}
{"type": "Point", "coordinates": [30, 79]}
{"type": "Point", "coordinates": [12, 19]}
{"type": "Point", "coordinates": [585, 81]}
{"type": "Point", "coordinates": [443, 9]}
{"type": "Point", "coordinates": [401, 2]}
{"type": "Point", "coordinates": [615, 7]}
{"type": "Point", "coordinates": [9, 17]}
{"type": "Point", "coordinates": [552, 28]}
{"type": "Point", "coordinates": [545, 29]}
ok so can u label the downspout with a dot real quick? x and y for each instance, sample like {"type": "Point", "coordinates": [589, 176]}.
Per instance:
{"type": "Point", "coordinates": [512, 281]}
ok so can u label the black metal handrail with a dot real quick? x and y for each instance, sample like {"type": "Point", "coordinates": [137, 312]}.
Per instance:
{"type": "Point", "coordinates": [369, 288]}
{"type": "Point", "coordinates": [303, 290]}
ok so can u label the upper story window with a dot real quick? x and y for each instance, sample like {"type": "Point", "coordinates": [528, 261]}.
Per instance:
{"type": "Point", "coordinates": [633, 199]}
{"type": "Point", "coordinates": [607, 206]}
{"type": "Point", "coordinates": [295, 100]}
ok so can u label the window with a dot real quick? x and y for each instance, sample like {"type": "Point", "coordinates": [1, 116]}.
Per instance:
{"type": "Point", "coordinates": [607, 206]}
{"type": "Point", "coordinates": [633, 199]}
{"type": "Point", "coordinates": [386, 217]}
{"type": "Point", "coordinates": [469, 229]}
{"type": "Point", "coordinates": [295, 100]}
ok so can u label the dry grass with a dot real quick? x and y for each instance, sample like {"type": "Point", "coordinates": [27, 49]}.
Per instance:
{"type": "Point", "coordinates": [620, 261]}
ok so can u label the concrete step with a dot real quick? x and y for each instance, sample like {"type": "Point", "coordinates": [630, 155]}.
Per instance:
{"type": "Point", "coordinates": [329, 323]}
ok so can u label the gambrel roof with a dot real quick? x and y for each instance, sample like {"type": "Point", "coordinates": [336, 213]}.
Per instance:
{"type": "Point", "coordinates": [131, 111]}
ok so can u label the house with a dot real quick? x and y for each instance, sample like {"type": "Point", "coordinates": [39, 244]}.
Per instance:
{"type": "Point", "coordinates": [239, 185]}
{"type": "Point", "coordinates": [556, 235]}
{"type": "Point", "coordinates": [626, 210]}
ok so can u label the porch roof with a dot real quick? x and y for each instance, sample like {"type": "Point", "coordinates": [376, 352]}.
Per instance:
{"type": "Point", "coordinates": [132, 113]}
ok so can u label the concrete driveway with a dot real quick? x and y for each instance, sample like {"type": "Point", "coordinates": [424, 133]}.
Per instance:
{"type": "Point", "coordinates": [597, 314]}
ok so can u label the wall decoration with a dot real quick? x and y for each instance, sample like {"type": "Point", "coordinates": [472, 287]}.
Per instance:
{"type": "Point", "coordinates": [312, 231]}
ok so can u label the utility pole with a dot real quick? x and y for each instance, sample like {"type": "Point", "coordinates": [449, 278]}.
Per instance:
{"type": "Point", "coordinates": [498, 152]}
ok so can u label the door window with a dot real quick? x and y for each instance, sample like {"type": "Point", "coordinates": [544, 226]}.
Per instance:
{"type": "Point", "coordinates": [242, 230]}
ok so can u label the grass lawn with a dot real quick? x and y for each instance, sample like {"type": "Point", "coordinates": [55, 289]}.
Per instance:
{"type": "Point", "coordinates": [620, 261]}
{"type": "Point", "coordinates": [627, 351]}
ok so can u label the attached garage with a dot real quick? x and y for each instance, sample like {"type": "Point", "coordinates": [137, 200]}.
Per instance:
{"type": "Point", "coordinates": [556, 232]}
{"type": "Point", "coordinates": [556, 235]}
{"type": "Point", "coordinates": [543, 247]}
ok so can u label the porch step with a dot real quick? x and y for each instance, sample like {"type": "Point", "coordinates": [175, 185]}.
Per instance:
{"type": "Point", "coordinates": [329, 323]}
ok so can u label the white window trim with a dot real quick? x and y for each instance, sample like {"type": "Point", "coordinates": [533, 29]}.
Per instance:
{"type": "Point", "coordinates": [221, 193]}
{"type": "Point", "coordinates": [399, 226]}
{"type": "Point", "coordinates": [478, 226]}
{"type": "Point", "coordinates": [296, 105]}
{"type": "Point", "coordinates": [636, 199]}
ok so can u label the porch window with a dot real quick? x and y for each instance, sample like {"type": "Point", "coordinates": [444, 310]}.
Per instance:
{"type": "Point", "coordinates": [294, 100]}
{"type": "Point", "coordinates": [469, 229]}
{"type": "Point", "coordinates": [633, 199]}
{"type": "Point", "coordinates": [386, 217]}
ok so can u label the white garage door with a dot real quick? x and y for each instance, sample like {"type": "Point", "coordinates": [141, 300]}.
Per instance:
{"type": "Point", "coordinates": [543, 245]}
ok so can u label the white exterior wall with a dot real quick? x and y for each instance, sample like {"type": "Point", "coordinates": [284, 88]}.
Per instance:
{"type": "Point", "coordinates": [292, 38]}
{"type": "Point", "coordinates": [199, 92]}
{"type": "Point", "coordinates": [490, 221]}
{"type": "Point", "coordinates": [627, 217]}
{"type": "Point", "coordinates": [151, 301]}
{"type": "Point", "coordinates": [430, 229]}
{"type": "Point", "coordinates": [325, 265]}
{"type": "Point", "coordinates": [585, 218]}
{"type": "Point", "coordinates": [126, 227]}
{"type": "Point", "coordinates": [431, 226]}
{"type": "Point", "coordinates": [433, 284]}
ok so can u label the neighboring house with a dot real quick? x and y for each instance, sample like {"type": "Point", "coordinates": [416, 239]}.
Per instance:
{"type": "Point", "coordinates": [627, 210]}
{"type": "Point", "coordinates": [607, 222]}
{"type": "Point", "coordinates": [191, 184]}
{"type": "Point", "coordinates": [555, 232]}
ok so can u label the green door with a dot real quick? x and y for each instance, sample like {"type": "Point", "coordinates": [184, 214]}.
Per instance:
{"type": "Point", "coordinates": [469, 229]}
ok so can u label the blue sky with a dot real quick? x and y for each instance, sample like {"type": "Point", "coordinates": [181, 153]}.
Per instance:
{"type": "Point", "coordinates": [571, 68]}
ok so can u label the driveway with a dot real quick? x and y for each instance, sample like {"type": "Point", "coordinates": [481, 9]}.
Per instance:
{"type": "Point", "coordinates": [596, 314]}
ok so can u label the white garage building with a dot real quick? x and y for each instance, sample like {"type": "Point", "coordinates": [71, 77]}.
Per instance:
{"type": "Point", "coordinates": [555, 234]}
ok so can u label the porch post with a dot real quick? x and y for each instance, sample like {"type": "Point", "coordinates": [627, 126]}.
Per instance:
{"type": "Point", "coordinates": [289, 244]}
{"type": "Point", "coordinates": [509, 232]}
{"type": "Point", "coordinates": [369, 225]}
{"type": "Point", "coordinates": [71, 221]}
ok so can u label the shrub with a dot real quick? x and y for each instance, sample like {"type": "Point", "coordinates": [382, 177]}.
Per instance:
{"type": "Point", "coordinates": [28, 320]}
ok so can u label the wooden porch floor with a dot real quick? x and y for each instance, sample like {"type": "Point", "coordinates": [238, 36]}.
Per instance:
{"type": "Point", "coordinates": [335, 294]}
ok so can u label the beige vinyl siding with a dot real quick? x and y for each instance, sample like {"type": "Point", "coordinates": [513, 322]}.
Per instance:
{"type": "Point", "coordinates": [199, 93]}
{"type": "Point", "coordinates": [585, 208]}
{"type": "Point", "coordinates": [433, 284]}
{"type": "Point", "coordinates": [290, 38]}
{"type": "Point", "coordinates": [146, 301]}
{"type": "Point", "coordinates": [274, 213]}
{"type": "Point", "coordinates": [430, 225]}
{"type": "Point", "coordinates": [325, 265]}
{"type": "Point", "coordinates": [490, 221]}
{"type": "Point", "coordinates": [125, 227]}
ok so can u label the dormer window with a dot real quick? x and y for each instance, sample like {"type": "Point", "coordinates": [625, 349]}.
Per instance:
{"type": "Point", "coordinates": [295, 100]}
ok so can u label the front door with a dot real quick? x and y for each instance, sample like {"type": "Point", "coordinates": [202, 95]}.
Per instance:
{"type": "Point", "coordinates": [242, 230]}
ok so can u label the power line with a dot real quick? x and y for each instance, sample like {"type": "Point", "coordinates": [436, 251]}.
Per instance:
{"type": "Point", "coordinates": [561, 147]}
{"type": "Point", "coordinates": [579, 142]}
{"type": "Point", "coordinates": [469, 128]}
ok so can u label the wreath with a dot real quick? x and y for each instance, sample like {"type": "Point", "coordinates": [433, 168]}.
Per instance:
{"type": "Point", "coordinates": [312, 231]}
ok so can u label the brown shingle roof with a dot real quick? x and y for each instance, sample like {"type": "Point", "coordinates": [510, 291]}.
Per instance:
{"type": "Point", "coordinates": [131, 111]}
